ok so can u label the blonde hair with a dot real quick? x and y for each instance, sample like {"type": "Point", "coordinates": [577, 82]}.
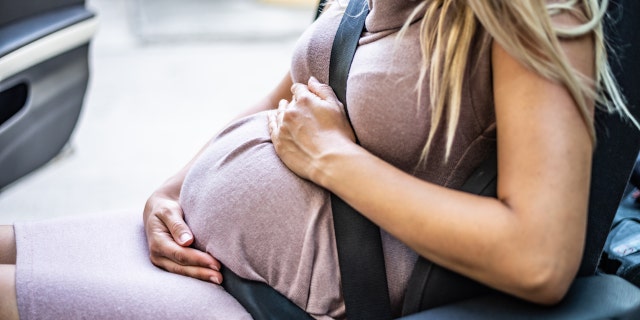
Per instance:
{"type": "Point", "coordinates": [524, 29]}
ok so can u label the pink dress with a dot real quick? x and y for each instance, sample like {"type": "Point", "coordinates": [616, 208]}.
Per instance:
{"type": "Point", "coordinates": [248, 210]}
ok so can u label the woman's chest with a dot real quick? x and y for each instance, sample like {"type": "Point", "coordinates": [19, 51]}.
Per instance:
{"type": "Point", "coordinates": [382, 97]}
{"type": "Point", "coordinates": [390, 113]}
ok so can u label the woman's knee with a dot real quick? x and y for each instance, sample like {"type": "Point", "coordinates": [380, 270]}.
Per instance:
{"type": "Point", "coordinates": [7, 245]}
{"type": "Point", "coordinates": [8, 303]}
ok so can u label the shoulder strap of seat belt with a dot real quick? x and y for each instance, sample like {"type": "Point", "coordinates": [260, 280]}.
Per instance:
{"type": "Point", "coordinates": [362, 269]}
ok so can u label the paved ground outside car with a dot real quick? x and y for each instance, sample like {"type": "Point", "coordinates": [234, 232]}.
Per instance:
{"type": "Point", "coordinates": [166, 75]}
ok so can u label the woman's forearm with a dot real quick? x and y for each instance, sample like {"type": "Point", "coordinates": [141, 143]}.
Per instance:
{"type": "Point", "coordinates": [457, 230]}
{"type": "Point", "coordinates": [480, 237]}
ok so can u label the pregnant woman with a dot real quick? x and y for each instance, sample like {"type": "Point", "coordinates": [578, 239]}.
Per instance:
{"type": "Point", "coordinates": [435, 85]}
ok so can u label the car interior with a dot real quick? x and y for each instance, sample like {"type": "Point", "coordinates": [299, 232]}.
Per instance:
{"type": "Point", "coordinates": [44, 73]}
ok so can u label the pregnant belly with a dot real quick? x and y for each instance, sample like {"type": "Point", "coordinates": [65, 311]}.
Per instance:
{"type": "Point", "coordinates": [247, 209]}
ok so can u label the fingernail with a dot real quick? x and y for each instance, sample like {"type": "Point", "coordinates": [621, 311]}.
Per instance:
{"type": "Point", "coordinates": [185, 237]}
{"type": "Point", "coordinates": [214, 267]}
{"type": "Point", "coordinates": [215, 280]}
{"type": "Point", "coordinates": [313, 79]}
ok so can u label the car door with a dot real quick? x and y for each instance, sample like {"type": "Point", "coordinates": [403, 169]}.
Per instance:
{"type": "Point", "coordinates": [44, 73]}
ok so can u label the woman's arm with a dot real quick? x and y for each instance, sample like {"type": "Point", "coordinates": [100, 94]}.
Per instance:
{"type": "Point", "coordinates": [168, 236]}
{"type": "Point", "coordinates": [528, 241]}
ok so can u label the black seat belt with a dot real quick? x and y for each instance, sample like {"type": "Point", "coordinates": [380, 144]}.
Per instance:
{"type": "Point", "coordinates": [360, 255]}
{"type": "Point", "coordinates": [362, 269]}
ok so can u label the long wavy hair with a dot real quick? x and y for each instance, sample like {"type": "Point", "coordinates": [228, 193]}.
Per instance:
{"type": "Point", "coordinates": [525, 30]}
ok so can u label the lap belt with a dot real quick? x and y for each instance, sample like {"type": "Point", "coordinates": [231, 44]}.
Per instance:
{"type": "Point", "coordinates": [260, 300]}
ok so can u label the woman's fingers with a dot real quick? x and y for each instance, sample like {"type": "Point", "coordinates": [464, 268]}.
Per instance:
{"type": "Point", "coordinates": [323, 91]}
{"type": "Point", "coordinates": [197, 272]}
{"type": "Point", "coordinates": [169, 255]}
{"type": "Point", "coordinates": [282, 105]}
{"type": "Point", "coordinates": [169, 238]}
{"type": "Point", "coordinates": [275, 118]}
{"type": "Point", "coordinates": [271, 116]}
{"type": "Point", "coordinates": [314, 90]}
{"type": "Point", "coordinates": [302, 96]}
{"type": "Point", "coordinates": [304, 130]}
{"type": "Point", "coordinates": [316, 94]}
{"type": "Point", "coordinates": [280, 112]}
{"type": "Point", "coordinates": [173, 218]}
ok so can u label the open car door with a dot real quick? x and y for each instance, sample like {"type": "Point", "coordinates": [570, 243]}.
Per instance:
{"type": "Point", "coordinates": [43, 78]}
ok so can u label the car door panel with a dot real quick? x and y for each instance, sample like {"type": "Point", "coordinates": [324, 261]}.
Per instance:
{"type": "Point", "coordinates": [14, 10]}
{"type": "Point", "coordinates": [44, 73]}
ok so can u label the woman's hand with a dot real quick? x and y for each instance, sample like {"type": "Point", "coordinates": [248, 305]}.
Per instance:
{"type": "Point", "coordinates": [310, 128]}
{"type": "Point", "coordinates": [169, 238]}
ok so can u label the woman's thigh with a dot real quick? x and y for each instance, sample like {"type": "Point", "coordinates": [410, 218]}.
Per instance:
{"type": "Point", "coordinates": [8, 304]}
{"type": "Point", "coordinates": [98, 267]}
